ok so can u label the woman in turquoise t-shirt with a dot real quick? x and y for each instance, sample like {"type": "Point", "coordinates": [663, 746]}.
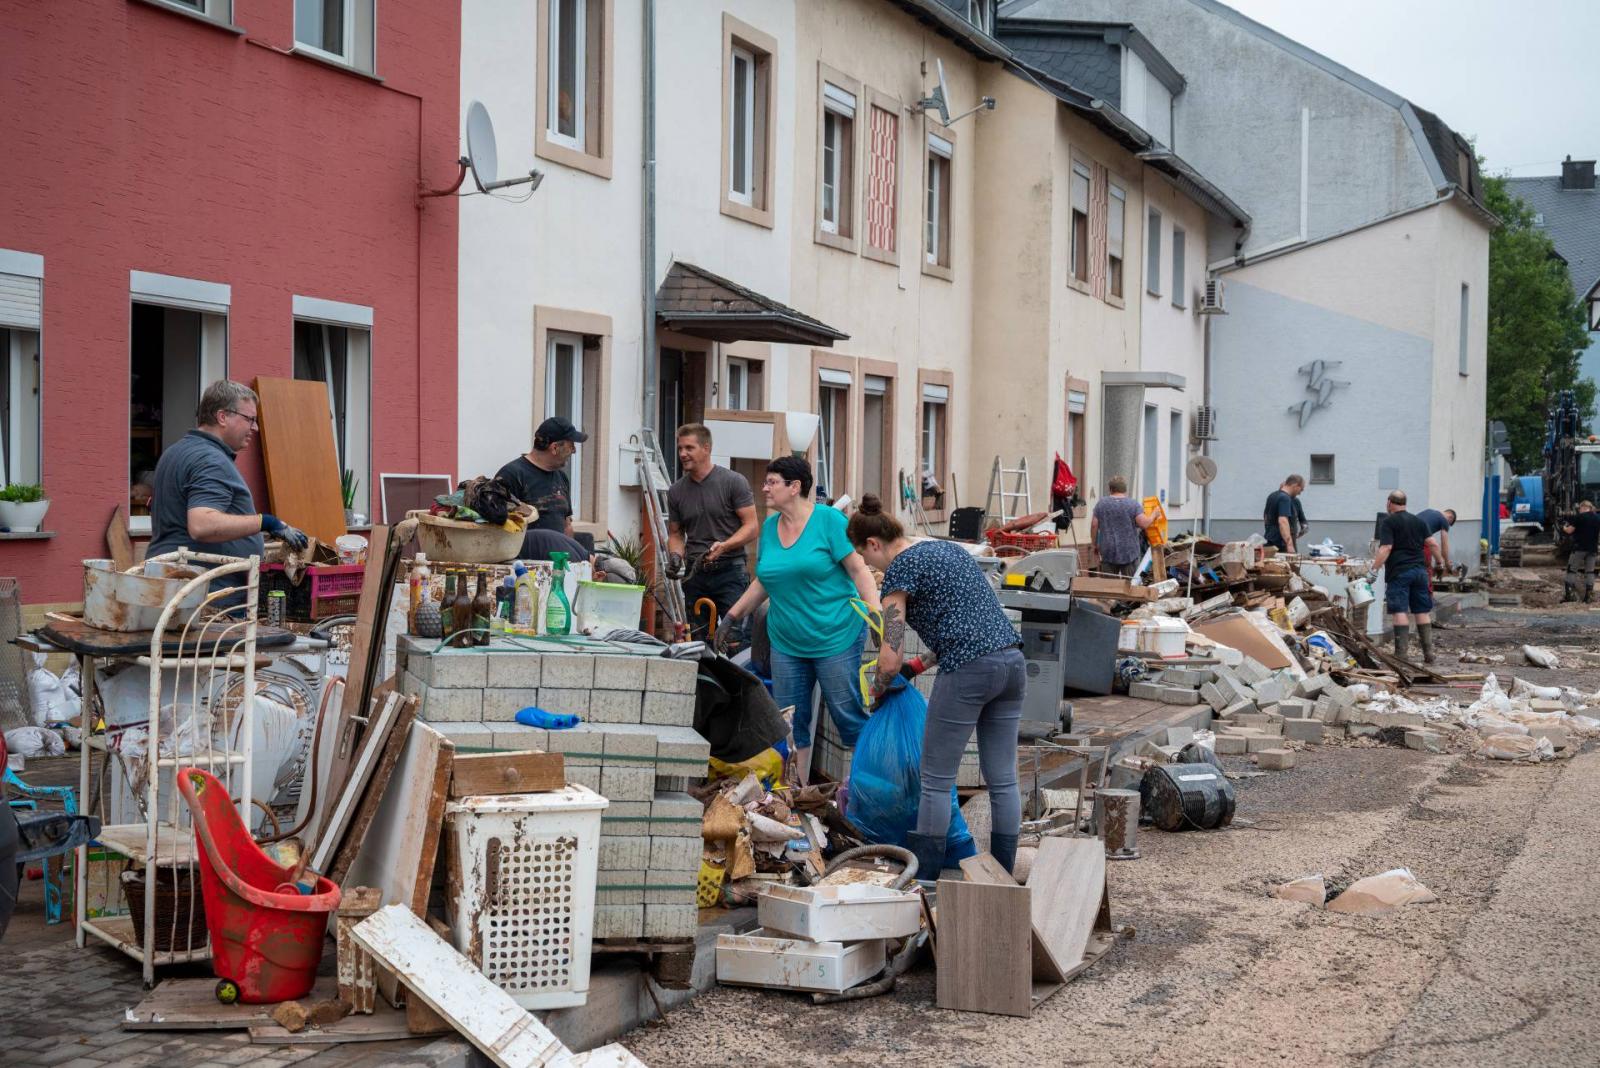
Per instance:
{"type": "Point", "coordinates": [809, 571]}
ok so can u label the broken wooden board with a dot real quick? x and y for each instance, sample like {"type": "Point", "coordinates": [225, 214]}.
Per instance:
{"type": "Point", "coordinates": [1068, 881]}
{"type": "Point", "coordinates": [1116, 589]}
{"type": "Point", "coordinates": [192, 1005]}
{"type": "Point", "coordinates": [357, 972]}
{"type": "Point", "coordinates": [402, 844]}
{"type": "Point", "coordinates": [384, 1024]}
{"type": "Point", "coordinates": [299, 455]}
{"type": "Point", "coordinates": [984, 869]}
{"type": "Point", "coordinates": [118, 542]}
{"type": "Point", "coordinates": [373, 741]}
{"type": "Point", "coordinates": [377, 786]}
{"type": "Point", "coordinates": [433, 971]}
{"type": "Point", "coordinates": [985, 935]}
{"type": "Point", "coordinates": [528, 772]}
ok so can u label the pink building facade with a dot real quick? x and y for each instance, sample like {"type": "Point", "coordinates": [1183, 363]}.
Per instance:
{"type": "Point", "coordinates": [199, 188]}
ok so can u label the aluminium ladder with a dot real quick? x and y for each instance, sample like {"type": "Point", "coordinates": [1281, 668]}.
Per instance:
{"type": "Point", "coordinates": [653, 483]}
{"type": "Point", "coordinates": [999, 502]}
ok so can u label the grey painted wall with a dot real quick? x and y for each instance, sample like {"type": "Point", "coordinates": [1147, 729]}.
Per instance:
{"type": "Point", "coordinates": [1380, 420]}
{"type": "Point", "coordinates": [1239, 123]}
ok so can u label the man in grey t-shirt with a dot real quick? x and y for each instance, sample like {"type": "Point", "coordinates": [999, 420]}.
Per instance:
{"type": "Point", "coordinates": [711, 517]}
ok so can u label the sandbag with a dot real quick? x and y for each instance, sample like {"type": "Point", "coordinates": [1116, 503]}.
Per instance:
{"type": "Point", "coordinates": [885, 785]}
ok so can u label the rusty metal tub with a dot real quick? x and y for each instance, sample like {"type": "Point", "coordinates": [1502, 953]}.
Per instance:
{"type": "Point", "coordinates": [133, 600]}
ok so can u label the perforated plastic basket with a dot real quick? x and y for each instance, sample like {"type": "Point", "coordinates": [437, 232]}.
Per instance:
{"type": "Point", "coordinates": [522, 889]}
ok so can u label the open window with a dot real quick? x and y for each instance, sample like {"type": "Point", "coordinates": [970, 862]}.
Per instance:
{"type": "Point", "coordinates": [341, 31]}
{"type": "Point", "coordinates": [574, 93]}
{"type": "Point", "coordinates": [568, 393]}
{"type": "Point", "coordinates": [936, 243]}
{"type": "Point", "coordinates": [1116, 221]}
{"type": "Point", "coordinates": [21, 320]}
{"type": "Point", "coordinates": [1077, 429]}
{"type": "Point", "coordinates": [748, 121]}
{"type": "Point", "coordinates": [334, 347]}
{"type": "Point", "coordinates": [833, 432]}
{"type": "Point", "coordinates": [933, 437]}
{"type": "Point", "coordinates": [877, 430]}
{"type": "Point", "coordinates": [743, 392]}
{"type": "Point", "coordinates": [178, 344]}
{"type": "Point", "coordinates": [1080, 223]}
{"type": "Point", "coordinates": [836, 185]}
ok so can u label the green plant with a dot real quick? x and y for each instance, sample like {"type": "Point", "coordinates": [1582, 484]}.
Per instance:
{"type": "Point", "coordinates": [347, 487]}
{"type": "Point", "coordinates": [22, 493]}
{"type": "Point", "coordinates": [630, 551]}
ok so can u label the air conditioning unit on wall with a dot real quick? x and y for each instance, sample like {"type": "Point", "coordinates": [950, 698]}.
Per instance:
{"type": "Point", "coordinates": [1211, 302]}
{"type": "Point", "coordinates": [1204, 423]}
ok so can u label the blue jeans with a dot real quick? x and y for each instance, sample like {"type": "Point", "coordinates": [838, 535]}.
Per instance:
{"type": "Point", "coordinates": [985, 694]}
{"type": "Point", "coordinates": [793, 678]}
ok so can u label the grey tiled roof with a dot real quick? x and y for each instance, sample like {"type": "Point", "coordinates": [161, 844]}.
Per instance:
{"type": "Point", "coordinates": [1572, 219]}
{"type": "Point", "coordinates": [694, 301]}
{"type": "Point", "coordinates": [1447, 148]}
{"type": "Point", "coordinates": [1089, 63]}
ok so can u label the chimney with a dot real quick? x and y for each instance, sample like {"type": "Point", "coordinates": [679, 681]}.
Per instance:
{"type": "Point", "coordinates": [1577, 173]}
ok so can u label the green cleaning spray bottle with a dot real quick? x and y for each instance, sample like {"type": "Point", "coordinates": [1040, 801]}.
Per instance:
{"type": "Point", "coordinates": [558, 610]}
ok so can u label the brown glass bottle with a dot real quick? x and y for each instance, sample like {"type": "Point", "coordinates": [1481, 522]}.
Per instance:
{"type": "Point", "coordinates": [447, 606]}
{"type": "Point", "coordinates": [463, 611]}
{"type": "Point", "coordinates": [482, 609]}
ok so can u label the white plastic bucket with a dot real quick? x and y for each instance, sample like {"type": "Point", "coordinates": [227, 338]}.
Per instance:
{"type": "Point", "coordinates": [352, 548]}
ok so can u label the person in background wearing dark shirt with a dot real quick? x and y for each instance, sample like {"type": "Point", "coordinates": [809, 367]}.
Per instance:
{"type": "Point", "coordinates": [1400, 540]}
{"type": "Point", "coordinates": [1584, 529]}
{"type": "Point", "coordinates": [711, 517]}
{"type": "Point", "coordinates": [1437, 550]}
{"type": "Point", "coordinates": [1282, 520]}
{"type": "Point", "coordinates": [538, 477]}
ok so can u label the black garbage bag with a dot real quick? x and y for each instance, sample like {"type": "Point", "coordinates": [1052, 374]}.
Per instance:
{"type": "Point", "coordinates": [734, 712]}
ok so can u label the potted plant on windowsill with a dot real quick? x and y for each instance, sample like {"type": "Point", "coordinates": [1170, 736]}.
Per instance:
{"type": "Point", "coordinates": [22, 508]}
{"type": "Point", "coordinates": [347, 489]}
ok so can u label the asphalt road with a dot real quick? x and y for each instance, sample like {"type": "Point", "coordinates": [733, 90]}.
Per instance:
{"type": "Point", "coordinates": [1500, 971]}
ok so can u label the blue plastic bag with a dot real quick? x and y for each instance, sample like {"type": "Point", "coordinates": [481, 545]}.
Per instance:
{"type": "Point", "coordinates": [885, 783]}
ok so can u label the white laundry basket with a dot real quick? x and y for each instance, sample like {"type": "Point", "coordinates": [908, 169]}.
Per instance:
{"type": "Point", "coordinates": [522, 879]}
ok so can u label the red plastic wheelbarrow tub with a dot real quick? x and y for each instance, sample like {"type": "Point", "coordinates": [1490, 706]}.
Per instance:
{"type": "Point", "coordinates": [268, 944]}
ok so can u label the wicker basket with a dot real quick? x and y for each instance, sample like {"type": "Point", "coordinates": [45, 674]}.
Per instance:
{"type": "Point", "coordinates": [180, 909]}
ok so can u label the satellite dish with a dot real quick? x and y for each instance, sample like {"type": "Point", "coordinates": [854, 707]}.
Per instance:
{"type": "Point", "coordinates": [1201, 470]}
{"type": "Point", "coordinates": [481, 156]}
{"type": "Point", "coordinates": [940, 98]}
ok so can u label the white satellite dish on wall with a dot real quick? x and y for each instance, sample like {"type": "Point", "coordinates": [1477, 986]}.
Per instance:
{"type": "Point", "coordinates": [482, 158]}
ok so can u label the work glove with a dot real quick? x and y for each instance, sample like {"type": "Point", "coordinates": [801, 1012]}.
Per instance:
{"type": "Point", "coordinates": [676, 566]}
{"type": "Point", "coordinates": [293, 536]}
{"type": "Point", "coordinates": [726, 637]}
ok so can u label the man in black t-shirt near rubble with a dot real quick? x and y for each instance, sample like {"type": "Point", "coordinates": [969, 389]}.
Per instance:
{"type": "Point", "coordinates": [1405, 575]}
{"type": "Point", "coordinates": [1584, 529]}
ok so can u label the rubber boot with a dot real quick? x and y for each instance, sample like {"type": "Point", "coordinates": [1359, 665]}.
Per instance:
{"type": "Point", "coordinates": [1425, 639]}
{"type": "Point", "coordinates": [1003, 847]}
{"type": "Point", "coordinates": [929, 851]}
{"type": "Point", "coordinates": [1402, 636]}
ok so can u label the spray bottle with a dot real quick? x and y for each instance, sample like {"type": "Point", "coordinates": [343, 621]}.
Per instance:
{"type": "Point", "coordinates": [558, 610]}
{"type": "Point", "coordinates": [525, 597]}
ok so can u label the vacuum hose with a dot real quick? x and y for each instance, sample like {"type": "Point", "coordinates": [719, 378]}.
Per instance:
{"type": "Point", "coordinates": [908, 950]}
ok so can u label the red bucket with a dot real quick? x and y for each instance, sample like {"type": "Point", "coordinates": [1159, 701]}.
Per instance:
{"type": "Point", "coordinates": [268, 944]}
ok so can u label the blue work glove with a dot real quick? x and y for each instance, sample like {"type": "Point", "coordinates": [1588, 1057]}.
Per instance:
{"type": "Point", "coordinates": [271, 524]}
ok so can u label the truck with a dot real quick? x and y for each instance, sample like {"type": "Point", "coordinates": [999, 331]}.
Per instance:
{"type": "Point", "coordinates": [1540, 502]}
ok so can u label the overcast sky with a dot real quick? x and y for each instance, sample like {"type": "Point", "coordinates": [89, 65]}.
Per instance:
{"type": "Point", "coordinates": [1521, 77]}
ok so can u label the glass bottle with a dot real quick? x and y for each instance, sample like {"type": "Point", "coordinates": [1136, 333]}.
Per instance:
{"type": "Point", "coordinates": [447, 607]}
{"type": "Point", "coordinates": [482, 610]}
{"type": "Point", "coordinates": [463, 610]}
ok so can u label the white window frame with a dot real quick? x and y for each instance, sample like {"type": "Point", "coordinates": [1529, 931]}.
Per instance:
{"type": "Point", "coordinates": [738, 384]}
{"type": "Point", "coordinates": [1116, 239]}
{"type": "Point", "coordinates": [348, 58]}
{"type": "Point", "coordinates": [576, 140]}
{"type": "Point", "coordinates": [1078, 171]}
{"type": "Point", "coordinates": [935, 412]}
{"type": "Point", "coordinates": [354, 446]}
{"type": "Point", "coordinates": [1175, 460]}
{"type": "Point", "coordinates": [935, 237]}
{"type": "Point", "coordinates": [22, 326]}
{"type": "Point", "coordinates": [1150, 468]}
{"type": "Point", "coordinates": [748, 85]}
{"type": "Point", "coordinates": [979, 14]}
{"type": "Point", "coordinates": [575, 403]}
{"type": "Point", "coordinates": [833, 416]}
{"type": "Point", "coordinates": [220, 11]}
{"type": "Point", "coordinates": [212, 300]}
{"type": "Point", "coordinates": [842, 106]}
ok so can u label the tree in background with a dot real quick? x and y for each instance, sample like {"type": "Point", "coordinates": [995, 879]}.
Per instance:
{"type": "Point", "coordinates": [1537, 329]}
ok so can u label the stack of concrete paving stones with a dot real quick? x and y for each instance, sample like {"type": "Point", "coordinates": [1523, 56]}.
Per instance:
{"type": "Point", "coordinates": [636, 746]}
{"type": "Point", "coordinates": [1258, 709]}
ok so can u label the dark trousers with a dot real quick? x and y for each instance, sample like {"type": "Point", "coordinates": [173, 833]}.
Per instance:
{"type": "Point", "coordinates": [723, 587]}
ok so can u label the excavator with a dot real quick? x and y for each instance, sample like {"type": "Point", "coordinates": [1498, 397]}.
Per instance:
{"type": "Point", "coordinates": [1540, 502]}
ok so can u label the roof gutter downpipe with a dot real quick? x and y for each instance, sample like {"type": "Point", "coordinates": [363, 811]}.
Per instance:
{"type": "Point", "coordinates": [647, 333]}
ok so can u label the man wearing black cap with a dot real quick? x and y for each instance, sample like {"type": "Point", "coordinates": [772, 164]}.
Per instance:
{"type": "Point", "coordinates": [539, 477]}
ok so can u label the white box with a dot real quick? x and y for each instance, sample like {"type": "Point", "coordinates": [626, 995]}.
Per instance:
{"type": "Point", "coordinates": [761, 958]}
{"type": "Point", "coordinates": [847, 913]}
{"type": "Point", "coordinates": [525, 866]}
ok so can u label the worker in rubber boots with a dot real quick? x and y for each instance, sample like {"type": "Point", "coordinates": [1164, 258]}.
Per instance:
{"type": "Point", "coordinates": [1584, 530]}
{"type": "Point", "coordinates": [936, 588]}
{"type": "Point", "coordinates": [1401, 537]}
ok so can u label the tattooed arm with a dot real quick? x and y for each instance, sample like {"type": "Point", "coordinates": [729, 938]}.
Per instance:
{"type": "Point", "coordinates": [892, 652]}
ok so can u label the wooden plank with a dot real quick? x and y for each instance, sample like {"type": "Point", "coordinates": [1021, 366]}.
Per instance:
{"type": "Point", "coordinates": [332, 834]}
{"type": "Point", "coordinates": [192, 1005]}
{"type": "Point", "coordinates": [398, 853]}
{"type": "Point", "coordinates": [357, 971]}
{"type": "Point", "coordinates": [377, 785]}
{"type": "Point", "coordinates": [984, 869]}
{"type": "Point", "coordinates": [983, 950]}
{"type": "Point", "coordinates": [384, 1024]}
{"type": "Point", "coordinates": [529, 772]}
{"type": "Point", "coordinates": [1068, 881]}
{"type": "Point", "coordinates": [434, 972]}
{"type": "Point", "coordinates": [118, 542]}
{"type": "Point", "coordinates": [298, 453]}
